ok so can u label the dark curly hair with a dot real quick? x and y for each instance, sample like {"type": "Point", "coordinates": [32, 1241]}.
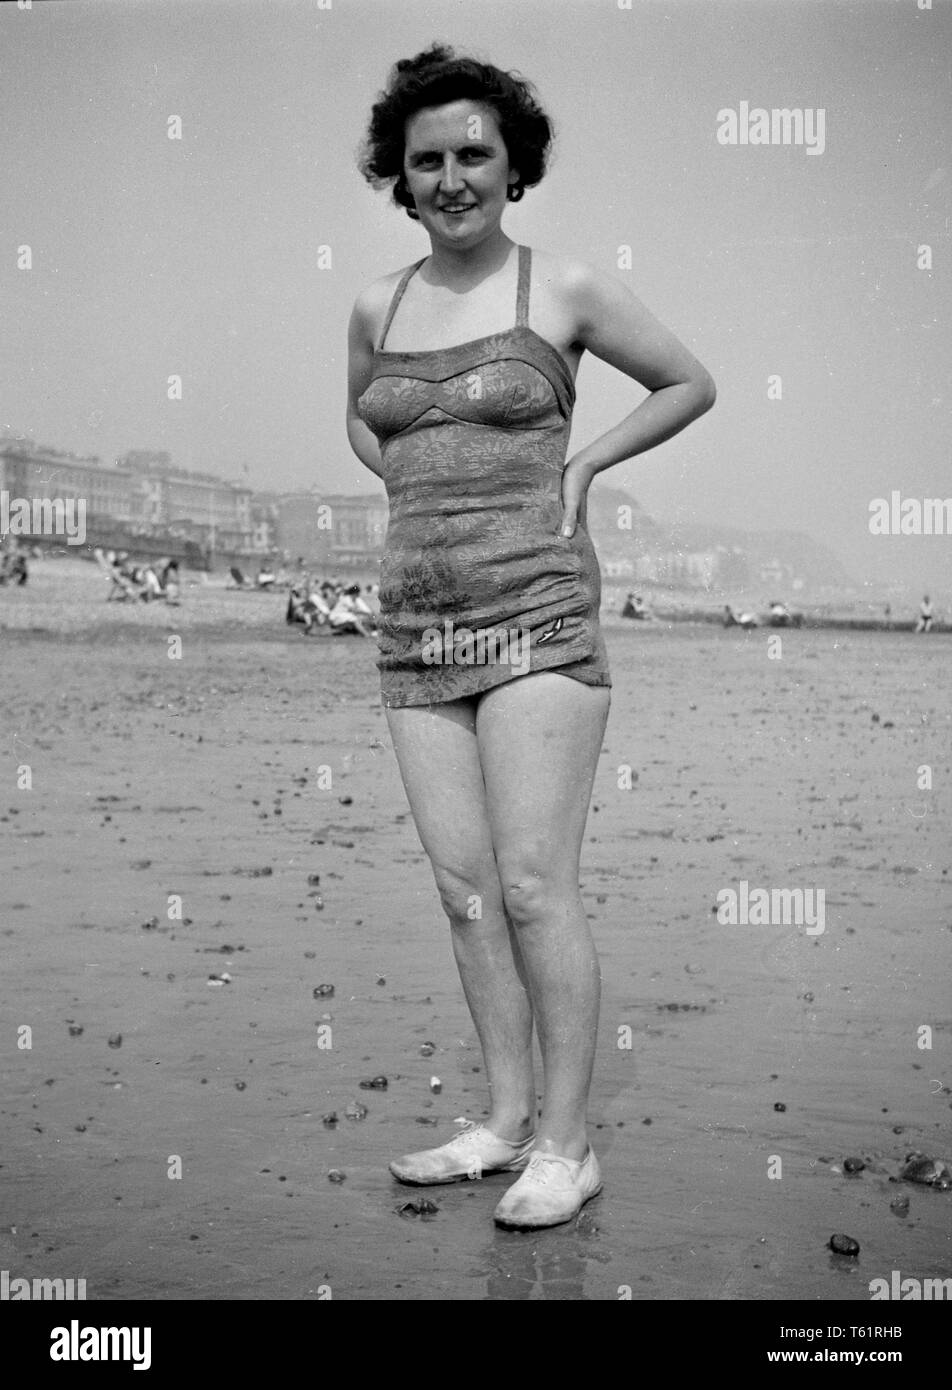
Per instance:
{"type": "Point", "coordinates": [433, 78]}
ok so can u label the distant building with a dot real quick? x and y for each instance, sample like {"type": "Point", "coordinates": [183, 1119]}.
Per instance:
{"type": "Point", "coordinates": [332, 529]}
{"type": "Point", "coordinates": [691, 569]}
{"type": "Point", "coordinates": [148, 461]}
{"type": "Point", "coordinates": [202, 505]}
{"type": "Point", "coordinates": [687, 569]}
{"type": "Point", "coordinates": [264, 522]}
{"type": "Point", "coordinates": [30, 470]}
{"type": "Point", "coordinates": [142, 492]}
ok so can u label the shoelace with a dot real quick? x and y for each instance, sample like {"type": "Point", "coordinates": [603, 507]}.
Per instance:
{"type": "Point", "coordinates": [467, 1128]}
{"type": "Point", "coordinates": [535, 1171]}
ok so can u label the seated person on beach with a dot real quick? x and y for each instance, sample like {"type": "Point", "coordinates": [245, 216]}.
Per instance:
{"type": "Point", "coordinates": [159, 581]}
{"type": "Point", "coordinates": [13, 568]}
{"type": "Point", "coordinates": [732, 619]}
{"type": "Point", "coordinates": [634, 608]}
{"type": "Point", "coordinates": [266, 577]}
{"type": "Point", "coordinates": [151, 584]}
{"type": "Point", "coordinates": [318, 602]}
{"type": "Point", "coordinates": [782, 616]}
{"type": "Point", "coordinates": [169, 579]}
{"type": "Point", "coordinates": [328, 594]}
{"type": "Point", "coordinates": [127, 576]}
{"type": "Point", "coordinates": [296, 611]}
{"type": "Point", "coordinates": [351, 614]}
{"type": "Point", "coordinates": [123, 566]}
{"type": "Point", "coordinates": [306, 606]}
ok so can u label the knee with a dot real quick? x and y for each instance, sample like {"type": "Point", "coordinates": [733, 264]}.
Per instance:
{"type": "Point", "coordinates": [466, 896]}
{"type": "Point", "coordinates": [530, 888]}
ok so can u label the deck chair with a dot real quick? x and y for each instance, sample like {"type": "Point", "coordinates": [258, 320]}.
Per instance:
{"type": "Point", "coordinates": [120, 587]}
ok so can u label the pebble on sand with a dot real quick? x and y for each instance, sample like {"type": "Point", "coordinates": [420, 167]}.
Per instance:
{"type": "Point", "coordinates": [323, 991]}
{"type": "Point", "coordinates": [427, 1049]}
{"type": "Point", "coordinates": [376, 1083]}
{"type": "Point", "coordinates": [853, 1165]}
{"type": "Point", "coordinates": [933, 1172]}
{"type": "Point", "coordinates": [115, 1040]}
{"type": "Point", "coordinates": [329, 1120]}
{"type": "Point", "coordinates": [356, 1111]}
{"type": "Point", "coordinates": [335, 1175]}
{"type": "Point", "coordinates": [779, 1105]}
{"type": "Point", "coordinates": [900, 1206]}
{"type": "Point", "coordinates": [436, 1084]}
{"type": "Point", "coordinates": [844, 1245]}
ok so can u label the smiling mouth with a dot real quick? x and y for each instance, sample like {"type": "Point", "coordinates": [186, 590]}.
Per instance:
{"type": "Point", "coordinates": [457, 208]}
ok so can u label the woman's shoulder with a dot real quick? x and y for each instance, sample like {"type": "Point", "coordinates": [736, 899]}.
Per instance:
{"type": "Point", "coordinates": [372, 302]}
{"type": "Point", "coordinates": [379, 291]}
{"type": "Point", "coordinates": [563, 272]}
{"type": "Point", "coordinates": [575, 283]}
{"type": "Point", "coordinates": [578, 293]}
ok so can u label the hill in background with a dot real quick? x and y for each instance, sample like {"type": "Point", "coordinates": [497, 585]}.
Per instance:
{"type": "Point", "coordinates": [635, 548]}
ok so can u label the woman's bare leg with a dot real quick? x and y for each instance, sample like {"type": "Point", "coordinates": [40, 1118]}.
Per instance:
{"type": "Point", "coordinates": [438, 756]}
{"type": "Point", "coordinates": [539, 741]}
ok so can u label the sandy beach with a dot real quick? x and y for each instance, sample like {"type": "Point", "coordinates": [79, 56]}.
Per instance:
{"type": "Point", "coordinates": [204, 779]}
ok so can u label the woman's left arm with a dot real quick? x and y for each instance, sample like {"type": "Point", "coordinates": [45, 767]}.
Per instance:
{"type": "Point", "coordinates": [615, 326]}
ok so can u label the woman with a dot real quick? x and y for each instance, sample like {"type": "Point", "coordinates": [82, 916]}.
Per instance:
{"type": "Point", "coordinates": [465, 416]}
{"type": "Point", "coordinates": [351, 614]}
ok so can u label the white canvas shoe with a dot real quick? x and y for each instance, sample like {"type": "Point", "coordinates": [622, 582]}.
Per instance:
{"type": "Point", "coordinates": [474, 1152]}
{"type": "Point", "coordinates": [551, 1190]}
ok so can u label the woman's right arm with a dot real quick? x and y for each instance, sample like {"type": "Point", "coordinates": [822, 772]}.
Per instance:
{"type": "Point", "coordinates": [360, 358]}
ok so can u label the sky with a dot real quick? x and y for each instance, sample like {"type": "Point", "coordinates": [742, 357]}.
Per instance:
{"type": "Point", "coordinates": [202, 256]}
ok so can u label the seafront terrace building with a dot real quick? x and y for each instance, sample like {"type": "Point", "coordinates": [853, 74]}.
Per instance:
{"type": "Point", "coordinates": [144, 492]}
{"type": "Point", "coordinates": [141, 491]}
{"type": "Point", "coordinates": [329, 530]}
{"type": "Point", "coordinates": [199, 502]}
{"type": "Point", "coordinates": [31, 471]}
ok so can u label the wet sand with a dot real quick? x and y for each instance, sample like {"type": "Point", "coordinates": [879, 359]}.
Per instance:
{"type": "Point", "coordinates": [199, 777]}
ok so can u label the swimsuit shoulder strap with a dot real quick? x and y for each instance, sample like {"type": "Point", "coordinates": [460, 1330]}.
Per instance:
{"type": "Point", "coordinates": [397, 296]}
{"type": "Point", "coordinates": [522, 294]}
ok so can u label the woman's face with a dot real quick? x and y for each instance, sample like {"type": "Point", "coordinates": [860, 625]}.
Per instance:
{"type": "Point", "coordinates": [455, 158]}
